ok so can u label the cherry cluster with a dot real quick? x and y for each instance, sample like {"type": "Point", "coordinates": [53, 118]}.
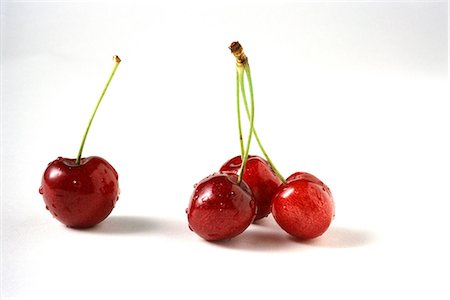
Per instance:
{"type": "Point", "coordinates": [82, 192]}
{"type": "Point", "coordinates": [248, 188]}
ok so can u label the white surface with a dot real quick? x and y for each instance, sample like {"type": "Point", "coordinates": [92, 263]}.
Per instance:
{"type": "Point", "coordinates": [355, 93]}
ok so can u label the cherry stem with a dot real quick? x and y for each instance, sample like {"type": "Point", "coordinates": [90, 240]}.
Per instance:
{"type": "Point", "coordinates": [117, 62]}
{"type": "Point", "coordinates": [242, 64]}
{"type": "Point", "coordinates": [250, 85]}
{"type": "Point", "coordinates": [251, 116]}
{"type": "Point", "coordinates": [238, 106]}
{"type": "Point", "coordinates": [241, 59]}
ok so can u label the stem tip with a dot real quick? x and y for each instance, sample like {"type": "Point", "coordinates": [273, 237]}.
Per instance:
{"type": "Point", "coordinates": [238, 52]}
{"type": "Point", "coordinates": [117, 59]}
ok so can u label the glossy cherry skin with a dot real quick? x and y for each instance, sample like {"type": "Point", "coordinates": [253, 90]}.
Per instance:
{"type": "Point", "coordinates": [83, 195]}
{"type": "Point", "coordinates": [303, 207]}
{"type": "Point", "coordinates": [220, 208]}
{"type": "Point", "coordinates": [309, 177]}
{"type": "Point", "coordinates": [261, 179]}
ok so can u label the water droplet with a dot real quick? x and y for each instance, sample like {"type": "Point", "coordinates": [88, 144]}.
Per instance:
{"type": "Point", "coordinates": [284, 207]}
{"type": "Point", "coordinates": [76, 183]}
{"type": "Point", "coordinates": [221, 210]}
{"type": "Point", "coordinates": [195, 185]}
{"type": "Point", "coordinates": [190, 228]}
{"type": "Point", "coordinates": [53, 205]}
{"type": "Point", "coordinates": [41, 190]}
{"type": "Point", "coordinates": [186, 211]}
{"type": "Point", "coordinates": [117, 199]}
{"type": "Point", "coordinates": [56, 215]}
{"type": "Point", "coordinates": [46, 207]}
{"type": "Point", "coordinates": [323, 189]}
{"type": "Point", "coordinates": [233, 193]}
{"type": "Point", "coordinates": [59, 158]}
{"type": "Point", "coordinates": [221, 204]}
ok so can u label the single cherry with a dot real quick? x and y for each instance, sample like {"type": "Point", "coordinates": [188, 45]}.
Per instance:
{"type": "Point", "coordinates": [261, 179]}
{"type": "Point", "coordinates": [81, 192]}
{"type": "Point", "coordinates": [220, 207]}
{"type": "Point", "coordinates": [304, 206]}
{"type": "Point", "coordinates": [80, 195]}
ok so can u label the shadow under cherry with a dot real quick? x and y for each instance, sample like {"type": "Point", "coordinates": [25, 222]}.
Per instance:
{"type": "Point", "coordinates": [262, 235]}
{"type": "Point", "coordinates": [342, 237]}
{"type": "Point", "coordinates": [266, 235]}
{"type": "Point", "coordinates": [126, 225]}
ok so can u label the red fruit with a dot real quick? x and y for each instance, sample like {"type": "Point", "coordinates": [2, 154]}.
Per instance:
{"type": "Point", "coordinates": [304, 206]}
{"type": "Point", "coordinates": [220, 208]}
{"type": "Point", "coordinates": [81, 195]}
{"type": "Point", "coordinates": [261, 179]}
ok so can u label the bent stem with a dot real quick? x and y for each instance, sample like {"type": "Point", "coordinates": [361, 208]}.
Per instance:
{"type": "Point", "coordinates": [244, 97]}
{"type": "Point", "coordinates": [80, 151]}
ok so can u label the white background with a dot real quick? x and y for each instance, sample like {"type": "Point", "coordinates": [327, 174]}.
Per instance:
{"type": "Point", "coordinates": [354, 92]}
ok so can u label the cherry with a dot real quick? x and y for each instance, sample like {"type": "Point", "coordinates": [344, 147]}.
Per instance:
{"type": "Point", "coordinates": [81, 192]}
{"type": "Point", "coordinates": [303, 206]}
{"type": "Point", "coordinates": [80, 195]}
{"type": "Point", "coordinates": [220, 207]}
{"type": "Point", "coordinates": [261, 179]}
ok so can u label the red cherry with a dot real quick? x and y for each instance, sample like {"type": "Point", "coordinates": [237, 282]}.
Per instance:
{"type": "Point", "coordinates": [304, 206]}
{"type": "Point", "coordinates": [261, 179]}
{"type": "Point", "coordinates": [80, 195]}
{"type": "Point", "coordinates": [220, 208]}
{"type": "Point", "coordinates": [81, 192]}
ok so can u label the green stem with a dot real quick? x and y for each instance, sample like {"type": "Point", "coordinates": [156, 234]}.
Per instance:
{"type": "Point", "coordinates": [80, 151]}
{"type": "Point", "coordinates": [251, 116]}
{"type": "Point", "coordinates": [250, 85]}
{"type": "Point", "coordinates": [239, 75]}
